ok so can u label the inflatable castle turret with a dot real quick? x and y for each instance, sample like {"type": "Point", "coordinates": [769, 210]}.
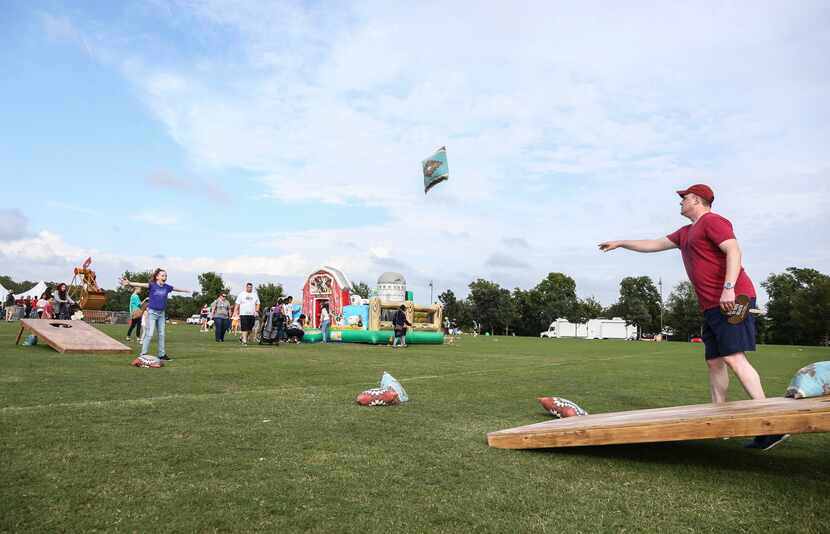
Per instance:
{"type": "Point", "coordinates": [391, 287]}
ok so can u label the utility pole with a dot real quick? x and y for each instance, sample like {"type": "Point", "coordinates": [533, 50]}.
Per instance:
{"type": "Point", "coordinates": [430, 292]}
{"type": "Point", "coordinates": [660, 284]}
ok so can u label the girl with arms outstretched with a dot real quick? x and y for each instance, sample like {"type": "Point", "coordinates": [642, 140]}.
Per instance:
{"type": "Point", "coordinates": [159, 290]}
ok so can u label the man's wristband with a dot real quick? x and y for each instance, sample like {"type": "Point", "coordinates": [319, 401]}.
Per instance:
{"type": "Point", "coordinates": [729, 285]}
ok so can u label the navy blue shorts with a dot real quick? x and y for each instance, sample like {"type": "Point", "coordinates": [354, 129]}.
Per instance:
{"type": "Point", "coordinates": [722, 338]}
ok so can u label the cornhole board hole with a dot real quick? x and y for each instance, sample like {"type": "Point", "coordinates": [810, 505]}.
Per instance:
{"type": "Point", "coordinates": [778, 415]}
{"type": "Point", "coordinates": [71, 336]}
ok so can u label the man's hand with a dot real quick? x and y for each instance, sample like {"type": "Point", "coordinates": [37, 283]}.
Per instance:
{"type": "Point", "coordinates": [727, 300]}
{"type": "Point", "coordinates": [608, 246]}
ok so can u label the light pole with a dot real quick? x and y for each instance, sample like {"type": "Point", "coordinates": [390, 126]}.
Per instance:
{"type": "Point", "coordinates": [430, 292]}
{"type": "Point", "coordinates": [660, 284]}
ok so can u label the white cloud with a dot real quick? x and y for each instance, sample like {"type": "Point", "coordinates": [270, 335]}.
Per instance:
{"type": "Point", "coordinates": [13, 224]}
{"type": "Point", "coordinates": [62, 29]}
{"type": "Point", "coordinates": [49, 256]}
{"type": "Point", "coordinates": [504, 261]}
{"type": "Point", "coordinates": [565, 123]}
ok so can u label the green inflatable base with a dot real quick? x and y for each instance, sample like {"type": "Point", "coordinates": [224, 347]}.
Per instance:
{"type": "Point", "coordinates": [374, 337]}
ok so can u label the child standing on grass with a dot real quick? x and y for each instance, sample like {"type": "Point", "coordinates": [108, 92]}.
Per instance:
{"type": "Point", "coordinates": [159, 290]}
{"type": "Point", "coordinates": [235, 322]}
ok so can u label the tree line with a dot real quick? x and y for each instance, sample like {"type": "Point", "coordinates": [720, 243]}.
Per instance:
{"type": "Point", "coordinates": [798, 311]}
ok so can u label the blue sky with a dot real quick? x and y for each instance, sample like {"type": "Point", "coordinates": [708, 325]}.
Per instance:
{"type": "Point", "coordinates": [262, 140]}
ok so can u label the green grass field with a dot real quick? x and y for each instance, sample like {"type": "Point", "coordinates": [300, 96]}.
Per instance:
{"type": "Point", "coordinates": [228, 438]}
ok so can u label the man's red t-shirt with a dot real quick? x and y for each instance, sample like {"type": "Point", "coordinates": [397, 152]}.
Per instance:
{"type": "Point", "coordinates": [705, 262]}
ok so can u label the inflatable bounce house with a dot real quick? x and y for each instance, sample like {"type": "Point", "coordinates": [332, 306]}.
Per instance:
{"type": "Point", "coordinates": [359, 320]}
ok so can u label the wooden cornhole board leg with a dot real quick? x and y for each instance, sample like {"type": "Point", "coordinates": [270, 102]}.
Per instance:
{"type": "Point", "coordinates": [777, 415]}
{"type": "Point", "coordinates": [71, 336]}
{"type": "Point", "coordinates": [20, 334]}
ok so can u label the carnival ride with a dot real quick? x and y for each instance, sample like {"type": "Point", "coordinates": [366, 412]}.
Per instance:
{"type": "Point", "coordinates": [84, 288]}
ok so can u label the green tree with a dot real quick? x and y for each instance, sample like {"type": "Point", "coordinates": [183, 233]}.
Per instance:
{"type": "Point", "coordinates": [362, 289]}
{"type": "Point", "coordinates": [457, 311]}
{"type": "Point", "coordinates": [491, 306]}
{"type": "Point", "coordinates": [585, 310]}
{"type": "Point", "coordinates": [268, 294]}
{"type": "Point", "coordinates": [180, 307]}
{"type": "Point", "coordinates": [550, 299]}
{"type": "Point", "coordinates": [528, 310]}
{"type": "Point", "coordinates": [557, 295]}
{"type": "Point", "coordinates": [16, 287]}
{"type": "Point", "coordinates": [119, 299]}
{"type": "Point", "coordinates": [781, 288]}
{"type": "Point", "coordinates": [798, 310]}
{"type": "Point", "coordinates": [211, 284]}
{"type": "Point", "coordinates": [812, 310]}
{"type": "Point", "coordinates": [683, 313]}
{"type": "Point", "coordinates": [639, 303]}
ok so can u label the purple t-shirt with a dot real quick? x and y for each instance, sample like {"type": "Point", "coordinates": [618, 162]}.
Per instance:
{"type": "Point", "coordinates": [158, 296]}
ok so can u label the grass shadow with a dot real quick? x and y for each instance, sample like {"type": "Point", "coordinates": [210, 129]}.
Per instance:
{"type": "Point", "coordinates": [718, 455]}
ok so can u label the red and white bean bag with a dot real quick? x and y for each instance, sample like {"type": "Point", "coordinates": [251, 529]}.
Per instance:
{"type": "Point", "coordinates": [378, 397]}
{"type": "Point", "coordinates": [559, 407]}
{"type": "Point", "coordinates": [148, 362]}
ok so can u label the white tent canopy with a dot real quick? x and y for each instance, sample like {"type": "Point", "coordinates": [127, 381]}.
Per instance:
{"type": "Point", "coordinates": [3, 293]}
{"type": "Point", "coordinates": [35, 292]}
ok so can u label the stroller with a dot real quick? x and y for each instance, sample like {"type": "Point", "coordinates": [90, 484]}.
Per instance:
{"type": "Point", "coordinates": [271, 326]}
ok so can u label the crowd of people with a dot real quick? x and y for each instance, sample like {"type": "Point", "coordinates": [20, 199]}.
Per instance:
{"type": "Point", "coordinates": [241, 317]}
{"type": "Point", "coordinates": [148, 316]}
{"type": "Point", "coordinates": [52, 304]}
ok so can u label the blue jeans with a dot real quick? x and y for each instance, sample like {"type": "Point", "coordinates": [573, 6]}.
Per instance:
{"type": "Point", "coordinates": [220, 326]}
{"type": "Point", "coordinates": [324, 328]}
{"type": "Point", "coordinates": [155, 321]}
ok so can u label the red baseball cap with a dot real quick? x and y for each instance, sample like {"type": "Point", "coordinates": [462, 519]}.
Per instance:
{"type": "Point", "coordinates": [702, 190]}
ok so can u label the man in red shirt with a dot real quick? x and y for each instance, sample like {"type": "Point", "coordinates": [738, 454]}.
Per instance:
{"type": "Point", "coordinates": [713, 263]}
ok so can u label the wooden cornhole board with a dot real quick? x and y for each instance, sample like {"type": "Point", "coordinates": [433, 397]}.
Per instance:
{"type": "Point", "coordinates": [71, 336]}
{"type": "Point", "coordinates": [698, 421]}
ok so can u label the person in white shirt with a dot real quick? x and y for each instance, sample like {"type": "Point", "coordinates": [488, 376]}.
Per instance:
{"type": "Point", "coordinates": [325, 322]}
{"type": "Point", "coordinates": [295, 331]}
{"type": "Point", "coordinates": [288, 309]}
{"type": "Point", "coordinates": [247, 306]}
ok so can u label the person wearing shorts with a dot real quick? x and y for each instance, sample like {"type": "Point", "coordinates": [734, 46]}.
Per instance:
{"type": "Point", "coordinates": [712, 259]}
{"type": "Point", "coordinates": [247, 306]}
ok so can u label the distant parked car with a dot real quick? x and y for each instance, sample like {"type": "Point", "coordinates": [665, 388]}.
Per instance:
{"type": "Point", "coordinates": [696, 340]}
{"type": "Point", "coordinates": [194, 319]}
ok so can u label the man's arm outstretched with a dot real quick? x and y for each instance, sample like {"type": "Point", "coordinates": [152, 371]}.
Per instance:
{"type": "Point", "coordinates": [639, 245]}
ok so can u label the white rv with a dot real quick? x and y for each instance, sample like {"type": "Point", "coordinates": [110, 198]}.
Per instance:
{"type": "Point", "coordinates": [565, 328]}
{"type": "Point", "coordinates": [594, 329]}
{"type": "Point", "coordinates": [610, 329]}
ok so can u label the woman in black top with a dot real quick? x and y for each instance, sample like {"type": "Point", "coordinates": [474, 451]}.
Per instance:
{"type": "Point", "coordinates": [399, 323]}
